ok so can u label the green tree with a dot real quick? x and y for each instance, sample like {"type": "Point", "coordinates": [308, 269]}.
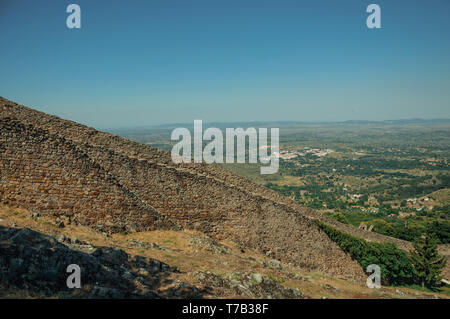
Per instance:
{"type": "Point", "coordinates": [339, 217]}
{"type": "Point", "coordinates": [441, 230]}
{"type": "Point", "coordinates": [381, 226]}
{"type": "Point", "coordinates": [426, 261]}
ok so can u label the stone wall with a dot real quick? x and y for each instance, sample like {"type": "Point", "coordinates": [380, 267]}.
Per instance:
{"type": "Point", "coordinates": [43, 172]}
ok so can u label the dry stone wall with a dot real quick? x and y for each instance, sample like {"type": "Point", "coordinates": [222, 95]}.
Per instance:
{"type": "Point", "coordinates": [43, 172]}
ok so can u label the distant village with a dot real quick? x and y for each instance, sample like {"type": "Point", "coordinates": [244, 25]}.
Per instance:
{"type": "Point", "coordinates": [286, 154]}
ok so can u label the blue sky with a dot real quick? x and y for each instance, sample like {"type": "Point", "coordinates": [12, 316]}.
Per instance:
{"type": "Point", "coordinates": [153, 62]}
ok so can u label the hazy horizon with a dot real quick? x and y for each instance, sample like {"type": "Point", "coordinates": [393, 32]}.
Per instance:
{"type": "Point", "coordinates": [284, 122]}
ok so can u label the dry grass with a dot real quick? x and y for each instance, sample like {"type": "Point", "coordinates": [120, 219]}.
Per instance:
{"type": "Point", "coordinates": [188, 258]}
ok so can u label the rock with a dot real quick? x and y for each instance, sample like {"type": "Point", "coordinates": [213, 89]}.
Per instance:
{"type": "Point", "coordinates": [107, 293]}
{"type": "Point", "coordinates": [146, 245]}
{"type": "Point", "coordinates": [110, 255]}
{"type": "Point", "coordinates": [399, 292]}
{"type": "Point", "coordinates": [127, 275]}
{"type": "Point", "coordinates": [234, 282]}
{"type": "Point", "coordinates": [197, 225]}
{"type": "Point", "coordinates": [329, 288]}
{"type": "Point", "coordinates": [209, 244]}
{"type": "Point", "coordinates": [247, 285]}
{"type": "Point", "coordinates": [61, 238]}
{"type": "Point", "coordinates": [274, 264]}
{"type": "Point", "coordinates": [143, 272]}
{"type": "Point", "coordinates": [257, 278]}
{"type": "Point", "coordinates": [36, 264]}
{"type": "Point", "coordinates": [165, 267]}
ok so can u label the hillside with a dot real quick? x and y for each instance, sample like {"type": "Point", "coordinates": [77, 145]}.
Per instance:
{"type": "Point", "coordinates": [155, 264]}
{"type": "Point", "coordinates": [79, 176]}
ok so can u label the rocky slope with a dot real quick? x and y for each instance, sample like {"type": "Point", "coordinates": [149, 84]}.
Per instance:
{"type": "Point", "coordinates": [37, 263]}
{"type": "Point", "coordinates": [35, 251]}
{"type": "Point", "coordinates": [79, 175]}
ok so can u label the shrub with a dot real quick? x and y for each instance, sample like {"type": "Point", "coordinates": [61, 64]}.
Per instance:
{"type": "Point", "coordinates": [339, 217]}
{"type": "Point", "coordinates": [396, 266]}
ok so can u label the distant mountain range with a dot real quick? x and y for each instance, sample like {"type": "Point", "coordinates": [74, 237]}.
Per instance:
{"type": "Point", "coordinates": [269, 124]}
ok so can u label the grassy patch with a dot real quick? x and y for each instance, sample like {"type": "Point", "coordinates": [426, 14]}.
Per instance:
{"type": "Point", "coordinates": [442, 290]}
